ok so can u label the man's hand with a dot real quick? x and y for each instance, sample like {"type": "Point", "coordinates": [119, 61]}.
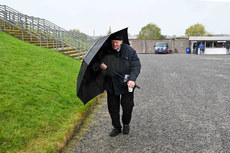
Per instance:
{"type": "Point", "coordinates": [131, 83]}
{"type": "Point", "coordinates": [103, 66]}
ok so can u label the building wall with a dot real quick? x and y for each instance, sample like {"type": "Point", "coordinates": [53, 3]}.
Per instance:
{"type": "Point", "coordinates": [147, 46]}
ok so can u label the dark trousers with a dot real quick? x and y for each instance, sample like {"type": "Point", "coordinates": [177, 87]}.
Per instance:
{"type": "Point", "coordinates": [114, 102]}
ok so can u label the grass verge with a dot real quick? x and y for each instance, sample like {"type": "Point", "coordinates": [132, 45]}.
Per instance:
{"type": "Point", "coordinates": [38, 103]}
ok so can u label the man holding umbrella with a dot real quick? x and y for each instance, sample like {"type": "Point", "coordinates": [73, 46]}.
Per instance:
{"type": "Point", "coordinates": [111, 65]}
{"type": "Point", "coordinates": [120, 60]}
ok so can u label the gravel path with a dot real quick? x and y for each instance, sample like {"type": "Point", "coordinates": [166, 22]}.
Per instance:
{"type": "Point", "coordinates": [183, 106]}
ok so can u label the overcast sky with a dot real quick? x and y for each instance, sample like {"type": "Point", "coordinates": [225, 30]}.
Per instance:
{"type": "Point", "coordinates": [94, 17]}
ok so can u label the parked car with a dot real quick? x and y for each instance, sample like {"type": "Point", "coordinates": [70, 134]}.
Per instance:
{"type": "Point", "coordinates": [162, 47]}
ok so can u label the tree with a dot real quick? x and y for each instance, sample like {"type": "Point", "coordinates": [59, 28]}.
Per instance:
{"type": "Point", "coordinates": [150, 31]}
{"type": "Point", "coordinates": [196, 30]}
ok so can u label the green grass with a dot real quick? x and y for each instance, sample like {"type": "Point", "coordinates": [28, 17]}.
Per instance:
{"type": "Point", "coordinates": [38, 102]}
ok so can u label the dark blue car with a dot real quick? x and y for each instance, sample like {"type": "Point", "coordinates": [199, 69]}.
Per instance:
{"type": "Point", "coordinates": [162, 48]}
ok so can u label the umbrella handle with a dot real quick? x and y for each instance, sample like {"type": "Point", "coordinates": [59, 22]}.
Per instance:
{"type": "Point", "coordinates": [138, 87]}
{"type": "Point", "coordinates": [126, 80]}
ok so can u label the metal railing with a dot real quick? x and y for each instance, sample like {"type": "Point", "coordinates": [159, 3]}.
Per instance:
{"type": "Point", "coordinates": [43, 30]}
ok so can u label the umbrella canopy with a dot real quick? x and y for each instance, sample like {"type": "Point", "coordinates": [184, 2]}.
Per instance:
{"type": "Point", "coordinates": [90, 82]}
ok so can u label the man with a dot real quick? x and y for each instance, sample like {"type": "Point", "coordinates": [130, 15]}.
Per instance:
{"type": "Point", "coordinates": [120, 60]}
{"type": "Point", "coordinates": [201, 46]}
{"type": "Point", "coordinates": [227, 48]}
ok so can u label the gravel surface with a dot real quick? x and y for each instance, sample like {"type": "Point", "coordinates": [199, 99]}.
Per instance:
{"type": "Point", "coordinates": [183, 106]}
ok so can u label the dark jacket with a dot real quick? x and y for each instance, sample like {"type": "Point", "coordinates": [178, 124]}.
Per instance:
{"type": "Point", "coordinates": [124, 62]}
{"type": "Point", "coordinates": [227, 46]}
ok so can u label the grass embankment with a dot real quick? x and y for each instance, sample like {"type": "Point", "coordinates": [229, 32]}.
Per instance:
{"type": "Point", "coordinates": [38, 103]}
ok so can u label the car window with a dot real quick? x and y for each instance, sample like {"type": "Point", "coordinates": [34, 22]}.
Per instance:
{"type": "Point", "coordinates": [161, 44]}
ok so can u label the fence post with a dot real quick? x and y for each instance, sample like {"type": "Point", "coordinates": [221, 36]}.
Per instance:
{"type": "Point", "coordinates": [1, 24]}
{"type": "Point", "coordinates": [21, 24]}
{"type": "Point", "coordinates": [71, 40]}
{"type": "Point", "coordinates": [56, 37]}
{"type": "Point", "coordinates": [5, 14]}
{"type": "Point", "coordinates": [62, 37]}
{"type": "Point", "coordinates": [26, 22]}
{"type": "Point", "coordinates": [39, 32]}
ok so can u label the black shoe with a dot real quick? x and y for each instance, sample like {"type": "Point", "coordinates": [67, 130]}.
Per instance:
{"type": "Point", "coordinates": [115, 132]}
{"type": "Point", "coordinates": [126, 129]}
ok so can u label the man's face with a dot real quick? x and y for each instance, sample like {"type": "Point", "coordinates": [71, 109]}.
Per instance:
{"type": "Point", "coordinates": [116, 44]}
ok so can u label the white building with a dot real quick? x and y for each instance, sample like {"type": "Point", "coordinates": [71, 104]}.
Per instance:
{"type": "Point", "coordinates": [212, 44]}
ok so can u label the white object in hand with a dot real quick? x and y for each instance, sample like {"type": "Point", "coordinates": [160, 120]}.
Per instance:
{"type": "Point", "coordinates": [130, 89]}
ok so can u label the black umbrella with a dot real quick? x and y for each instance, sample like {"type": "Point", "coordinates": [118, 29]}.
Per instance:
{"type": "Point", "coordinates": [90, 82]}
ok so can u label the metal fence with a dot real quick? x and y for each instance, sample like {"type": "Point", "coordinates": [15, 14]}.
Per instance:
{"type": "Point", "coordinates": [43, 30]}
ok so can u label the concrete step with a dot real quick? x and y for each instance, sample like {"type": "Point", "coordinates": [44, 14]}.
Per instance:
{"type": "Point", "coordinates": [25, 35]}
{"type": "Point", "coordinates": [80, 57]}
{"type": "Point", "coordinates": [29, 39]}
{"type": "Point", "coordinates": [7, 27]}
{"type": "Point", "coordinates": [45, 44]}
{"type": "Point", "coordinates": [71, 52]}
{"type": "Point", "coordinates": [65, 49]}
{"type": "Point", "coordinates": [12, 30]}
{"type": "Point", "coordinates": [38, 41]}
{"type": "Point", "coordinates": [76, 54]}
{"type": "Point", "coordinates": [17, 33]}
